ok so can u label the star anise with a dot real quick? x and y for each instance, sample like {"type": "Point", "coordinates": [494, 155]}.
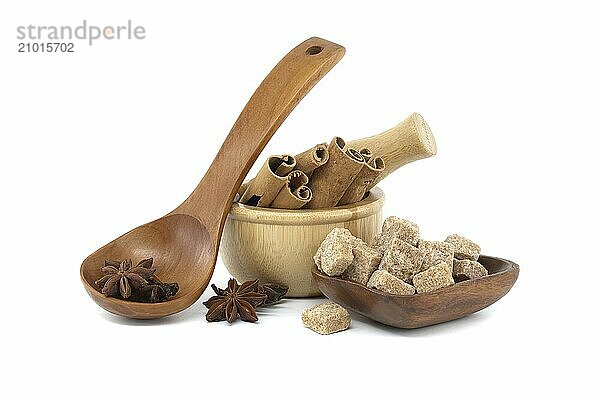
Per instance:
{"type": "Point", "coordinates": [156, 291]}
{"type": "Point", "coordinates": [273, 291]}
{"type": "Point", "coordinates": [120, 277]}
{"type": "Point", "coordinates": [235, 300]}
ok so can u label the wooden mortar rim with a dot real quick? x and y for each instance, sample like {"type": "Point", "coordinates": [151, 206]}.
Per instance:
{"type": "Point", "coordinates": [273, 216]}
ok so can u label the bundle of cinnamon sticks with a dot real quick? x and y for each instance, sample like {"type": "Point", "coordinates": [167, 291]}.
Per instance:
{"type": "Point", "coordinates": [337, 174]}
{"type": "Point", "coordinates": [321, 177]}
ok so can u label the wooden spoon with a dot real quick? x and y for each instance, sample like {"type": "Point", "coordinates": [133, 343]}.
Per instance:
{"type": "Point", "coordinates": [184, 243]}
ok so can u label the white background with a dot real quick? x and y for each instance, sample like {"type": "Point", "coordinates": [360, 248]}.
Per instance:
{"type": "Point", "coordinates": [114, 135]}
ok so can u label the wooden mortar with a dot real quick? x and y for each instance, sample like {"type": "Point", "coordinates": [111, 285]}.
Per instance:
{"type": "Point", "coordinates": [277, 246]}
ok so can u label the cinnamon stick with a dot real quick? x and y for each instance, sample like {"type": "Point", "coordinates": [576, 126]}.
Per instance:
{"type": "Point", "coordinates": [272, 176]}
{"type": "Point", "coordinates": [366, 153]}
{"type": "Point", "coordinates": [363, 182]}
{"type": "Point", "coordinates": [312, 159]}
{"type": "Point", "coordinates": [241, 190]}
{"type": "Point", "coordinates": [295, 193]}
{"type": "Point", "coordinates": [330, 181]}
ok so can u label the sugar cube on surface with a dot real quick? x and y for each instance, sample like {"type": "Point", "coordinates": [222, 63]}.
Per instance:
{"type": "Point", "coordinates": [326, 318]}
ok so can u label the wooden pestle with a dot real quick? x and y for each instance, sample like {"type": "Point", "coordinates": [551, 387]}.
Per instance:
{"type": "Point", "coordinates": [409, 141]}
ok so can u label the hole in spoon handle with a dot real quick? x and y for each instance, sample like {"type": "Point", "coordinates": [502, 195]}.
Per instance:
{"type": "Point", "coordinates": [283, 88]}
{"type": "Point", "coordinates": [314, 50]}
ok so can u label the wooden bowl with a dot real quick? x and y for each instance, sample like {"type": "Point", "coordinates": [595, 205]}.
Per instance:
{"type": "Point", "coordinates": [418, 310]}
{"type": "Point", "coordinates": [278, 245]}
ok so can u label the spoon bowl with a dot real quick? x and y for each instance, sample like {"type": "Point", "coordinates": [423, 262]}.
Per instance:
{"type": "Point", "coordinates": [184, 244]}
{"type": "Point", "coordinates": [182, 252]}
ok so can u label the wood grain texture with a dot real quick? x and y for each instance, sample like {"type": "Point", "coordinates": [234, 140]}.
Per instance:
{"type": "Point", "coordinates": [408, 141]}
{"type": "Point", "coordinates": [419, 310]}
{"type": "Point", "coordinates": [278, 245]}
{"type": "Point", "coordinates": [184, 243]}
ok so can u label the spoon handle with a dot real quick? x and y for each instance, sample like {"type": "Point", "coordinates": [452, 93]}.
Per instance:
{"type": "Point", "coordinates": [291, 79]}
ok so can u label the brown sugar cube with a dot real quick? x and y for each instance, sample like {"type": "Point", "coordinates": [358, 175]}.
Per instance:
{"type": "Point", "coordinates": [433, 245]}
{"type": "Point", "coordinates": [436, 252]}
{"type": "Point", "coordinates": [347, 236]}
{"type": "Point", "coordinates": [468, 269]}
{"type": "Point", "coordinates": [386, 282]}
{"type": "Point", "coordinates": [402, 260]}
{"type": "Point", "coordinates": [334, 255]}
{"type": "Point", "coordinates": [356, 242]}
{"type": "Point", "coordinates": [464, 248]}
{"type": "Point", "coordinates": [402, 229]}
{"type": "Point", "coordinates": [378, 244]}
{"type": "Point", "coordinates": [434, 278]}
{"type": "Point", "coordinates": [326, 318]}
{"type": "Point", "coordinates": [376, 239]}
{"type": "Point", "coordinates": [366, 260]}
{"type": "Point", "coordinates": [394, 227]}
{"type": "Point", "coordinates": [317, 256]}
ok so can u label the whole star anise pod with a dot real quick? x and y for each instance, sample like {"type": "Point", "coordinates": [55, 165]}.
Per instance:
{"type": "Point", "coordinates": [235, 300]}
{"type": "Point", "coordinates": [120, 277]}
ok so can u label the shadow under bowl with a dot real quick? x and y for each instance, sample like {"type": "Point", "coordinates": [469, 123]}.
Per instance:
{"type": "Point", "coordinates": [424, 309]}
